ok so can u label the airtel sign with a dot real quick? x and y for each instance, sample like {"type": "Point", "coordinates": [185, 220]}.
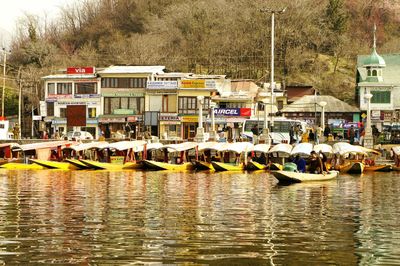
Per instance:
{"type": "Point", "coordinates": [80, 70]}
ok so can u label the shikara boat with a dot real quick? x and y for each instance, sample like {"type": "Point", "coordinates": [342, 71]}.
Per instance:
{"type": "Point", "coordinates": [154, 165]}
{"type": "Point", "coordinates": [295, 177]}
{"type": "Point", "coordinates": [178, 163]}
{"type": "Point", "coordinates": [379, 168]}
{"type": "Point", "coordinates": [41, 151]}
{"type": "Point", "coordinates": [279, 152]}
{"type": "Point", "coordinates": [204, 150]}
{"type": "Point", "coordinates": [351, 168]}
{"type": "Point", "coordinates": [123, 159]}
{"type": "Point", "coordinates": [239, 149]}
{"type": "Point", "coordinates": [255, 164]}
{"type": "Point", "coordinates": [54, 164]}
{"type": "Point", "coordinates": [343, 151]}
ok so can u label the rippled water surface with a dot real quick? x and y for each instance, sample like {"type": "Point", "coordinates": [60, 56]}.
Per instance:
{"type": "Point", "coordinates": [100, 217]}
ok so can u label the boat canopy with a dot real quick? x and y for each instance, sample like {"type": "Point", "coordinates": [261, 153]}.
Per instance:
{"type": "Point", "coordinates": [396, 150]}
{"type": "Point", "coordinates": [343, 148]}
{"type": "Point", "coordinates": [9, 144]}
{"type": "Point", "coordinates": [184, 146]}
{"type": "Point", "coordinates": [237, 147]}
{"type": "Point", "coordinates": [89, 145]}
{"type": "Point", "coordinates": [370, 151]}
{"type": "Point", "coordinates": [212, 145]}
{"type": "Point", "coordinates": [302, 149]}
{"type": "Point", "coordinates": [324, 148]}
{"type": "Point", "coordinates": [126, 145]}
{"type": "Point", "coordinates": [150, 146]}
{"type": "Point", "coordinates": [261, 148]}
{"type": "Point", "coordinates": [44, 145]}
{"type": "Point", "coordinates": [283, 148]}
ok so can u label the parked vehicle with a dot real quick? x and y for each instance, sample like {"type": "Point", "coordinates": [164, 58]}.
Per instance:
{"type": "Point", "coordinates": [77, 135]}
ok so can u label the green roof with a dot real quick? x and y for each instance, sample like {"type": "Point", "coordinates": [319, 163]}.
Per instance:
{"type": "Point", "coordinates": [390, 73]}
{"type": "Point", "coordinates": [374, 60]}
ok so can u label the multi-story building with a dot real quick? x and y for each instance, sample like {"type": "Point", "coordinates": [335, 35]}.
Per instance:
{"type": "Point", "coordinates": [124, 98]}
{"type": "Point", "coordinates": [378, 75]}
{"type": "Point", "coordinates": [72, 101]}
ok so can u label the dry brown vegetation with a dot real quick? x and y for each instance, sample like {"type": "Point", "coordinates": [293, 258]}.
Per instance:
{"type": "Point", "coordinates": [317, 41]}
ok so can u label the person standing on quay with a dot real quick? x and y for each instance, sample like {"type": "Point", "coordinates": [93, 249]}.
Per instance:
{"type": "Point", "coordinates": [351, 134]}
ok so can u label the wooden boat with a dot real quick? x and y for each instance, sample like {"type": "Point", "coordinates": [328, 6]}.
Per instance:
{"type": "Point", "coordinates": [202, 165]}
{"type": "Point", "coordinates": [395, 168]}
{"type": "Point", "coordinates": [351, 168]}
{"type": "Point", "coordinates": [275, 167]}
{"type": "Point", "coordinates": [240, 149]}
{"type": "Point", "coordinates": [378, 168]}
{"type": "Point", "coordinates": [343, 149]}
{"type": "Point", "coordinates": [254, 166]}
{"type": "Point", "coordinates": [295, 177]}
{"type": "Point", "coordinates": [110, 166]}
{"type": "Point", "coordinates": [218, 166]}
{"type": "Point", "coordinates": [258, 163]}
{"type": "Point", "coordinates": [78, 164]}
{"type": "Point", "coordinates": [153, 165]}
{"type": "Point", "coordinates": [21, 166]}
{"type": "Point", "coordinates": [204, 155]}
{"type": "Point", "coordinates": [54, 164]}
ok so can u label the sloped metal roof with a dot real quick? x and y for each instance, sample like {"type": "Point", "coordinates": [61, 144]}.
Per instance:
{"type": "Point", "coordinates": [132, 70]}
{"type": "Point", "coordinates": [307, 104]}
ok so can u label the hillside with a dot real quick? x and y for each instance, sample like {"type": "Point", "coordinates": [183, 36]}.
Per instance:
{"type": "Point", "coordinates": [317, 41]}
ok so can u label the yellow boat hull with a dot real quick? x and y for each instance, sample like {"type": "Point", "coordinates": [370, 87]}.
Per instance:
{"type": "Point", "coordinates": [351, 168]}
{"type": "Point", "coordinates": [153, 165]}
{"type": "Point", "coordinates": [275, 167]}
{"type": "Point", "coordinates": [378, 168]}
{"type": "Point", "coordinates": [110, 166]}
{"type": "Point", "coordinates": [77, 164]}
{"type": "Point", "coordinates": [55, 165]}
{"type": "Point", "coordinates": [21, 166]}
{"type": "Point", "coordinates": [218, 166]}
{"type": "Point", "coordinates": [254, 166]}
{"type": "Point", "coordinates": [201, 165]}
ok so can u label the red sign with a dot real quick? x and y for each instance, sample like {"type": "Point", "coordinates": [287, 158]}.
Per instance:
{"type": "Point", "coordinates": [80, 70]}
{"type": "Point", "coordinates": [245, 111]}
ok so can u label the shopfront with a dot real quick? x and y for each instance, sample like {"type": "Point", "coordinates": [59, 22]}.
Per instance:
{"type": "Point", "coordinates": [170, 126]}
{"type": "Point", "coordinates": [189, 126]}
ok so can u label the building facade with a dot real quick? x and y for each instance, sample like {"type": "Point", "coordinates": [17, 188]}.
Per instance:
{"type": "Point", "coordinates": [72, 101]}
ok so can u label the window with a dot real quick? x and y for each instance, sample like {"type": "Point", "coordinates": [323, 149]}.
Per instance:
{"type": "Point", "coordinates": [86, 88]}
{"type": "Point", "coordinates": [91, 112]}
{"type": "Point", "coordinates": [380, 97]}
{"type": "Point", "coordinates": [369, 73]}
{"type": "Point", "coordinates": [188, 105]}
{"type": "Point", "coordinates": [133, 103]}
{"type": "Point", "coordinates": [280, 105]}
{"type": "Point", "coordinates": [165, 103]}
{"type": "Point", "coordinates": [64, 88]}
{"type": "Point", "coordinates": [50, 108]}
{"type": "Point", "coordinates": [63, 112]}
{"type": "Point", "coordinates": [124, 82]}
{"type": "Point", "coordinates": [51, 88]}
{"type": "Point", "coordinates": [374, 73]}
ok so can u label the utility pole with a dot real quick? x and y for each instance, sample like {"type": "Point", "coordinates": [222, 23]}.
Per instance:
{"type": "Point", "coordinates": [4, 80]}
{"type": "Point", "coordinates": [19, 101]}
{"type": "Point", "coordinates": [272, 11]}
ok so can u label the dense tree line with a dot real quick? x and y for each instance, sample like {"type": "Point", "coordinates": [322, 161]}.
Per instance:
{"type": "Point", "coordinates": [317, 41]}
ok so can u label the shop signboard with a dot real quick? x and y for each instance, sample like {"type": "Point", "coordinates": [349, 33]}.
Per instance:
{"type": "Point", "coordinates": [157, 85]}
{"type": "Point", "coordinates": [43, 108]}
{"type": "Point", "coordinates": [376, 114]}
{"type": "Point", "coordinates": [232, 111]}
{"type": "Point", "coordinates": [80, 70]}
{"type": "Point", "coordinates": [36, 117]}
{"type": "Point", "coordinates": [87, 95]}
{"type": "Point", "coordinates": [60, 96]}
{"type": "Point", "coordinates": [123, 112]}
{"type": "Point", "coordinates": [197, 84]}
{"type": "Point", "coordinates": [117, 159]}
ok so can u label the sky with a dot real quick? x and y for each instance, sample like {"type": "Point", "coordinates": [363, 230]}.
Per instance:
{"type": "Point", "coordinates": [12, 10]}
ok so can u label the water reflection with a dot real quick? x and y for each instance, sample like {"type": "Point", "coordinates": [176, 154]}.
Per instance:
{"type": "Point", "coordinates": [100, 217]}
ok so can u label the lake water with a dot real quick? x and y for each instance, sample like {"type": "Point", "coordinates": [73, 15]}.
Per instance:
{"type": "Point", "coordinates": [128, 217]}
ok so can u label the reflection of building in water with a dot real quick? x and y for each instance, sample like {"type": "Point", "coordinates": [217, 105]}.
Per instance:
{"type": "Point", "coordinates": [378, 233]}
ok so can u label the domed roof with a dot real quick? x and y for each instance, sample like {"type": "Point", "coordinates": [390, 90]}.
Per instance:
{"type": "Point", "coordinates": [374, 60]}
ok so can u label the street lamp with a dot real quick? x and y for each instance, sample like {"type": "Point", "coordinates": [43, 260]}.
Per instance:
{"type": "Point", "coordinates": [368, 139]}
{"type": "Point", "coordinates": [272, 54]}
{"type": "Point", "coordinates": [323, 104]}
{"type": "Point", "coordinates": [200, 130]}
{"type": "Point", "coordinates": [213, 133]}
